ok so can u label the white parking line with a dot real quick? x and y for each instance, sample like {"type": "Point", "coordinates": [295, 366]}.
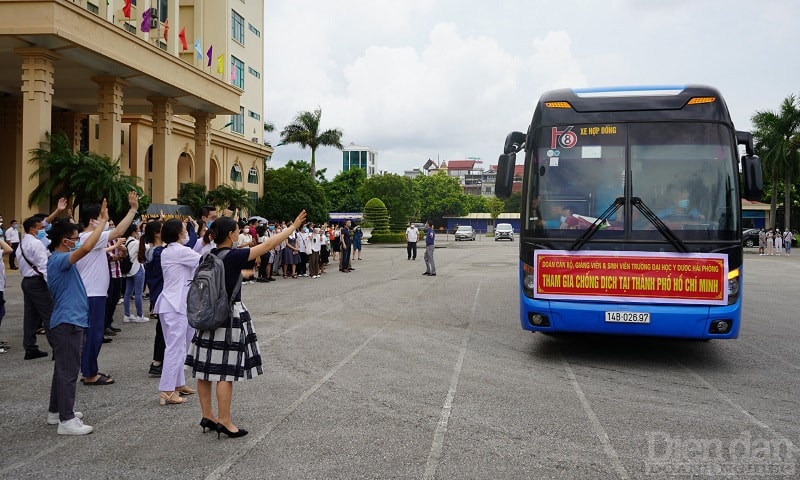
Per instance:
{"type": "Point", "coordinates": [594, 422]}
{"type": "Point", "coordinates": [435, 453]}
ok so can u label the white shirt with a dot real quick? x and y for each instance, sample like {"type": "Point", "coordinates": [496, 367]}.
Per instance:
{"type": "Point", "coordinates": [133, 254]}
{"type": "Point", "coordinates": [12, 235]}
{"type": "Point", "coordinates": [178, 264]}
{"type": "Point", "coordinates": [412, 234]}
{"type": "Point", "coordinates": [94, 267]}
{"type": "Point", "coordinates": [316, 242]}
{"type": "Point", "coordinates": [36, 252]}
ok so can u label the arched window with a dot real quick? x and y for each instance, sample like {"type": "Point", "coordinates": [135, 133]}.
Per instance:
{"type": "Point", "coordinates": [236, 173]}
{"type": "Point", "coordinates": [252, 175]}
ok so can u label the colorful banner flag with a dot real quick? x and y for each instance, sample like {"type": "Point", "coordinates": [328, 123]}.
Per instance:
{"type": "Point", "coordinates": [146, 20]}
{"type": "Point", "coordinates": [182, 36]}
{"type": "Point", "coordinates": [166, 28]}
{"type": "Point", "coordinates": [208, 53]}
{"type": "Point", "coordinates": [233, 75]}
{"type": "Point", "coordinates": [198, 49]}
{"type": "Point", "coordinates": [126, 10]}
{"type": "Point", "coordinates": [221, 64]}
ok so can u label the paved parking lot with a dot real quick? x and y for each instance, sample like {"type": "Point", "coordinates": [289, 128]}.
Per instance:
{"type": "Point", "coordinates": [385, 373]}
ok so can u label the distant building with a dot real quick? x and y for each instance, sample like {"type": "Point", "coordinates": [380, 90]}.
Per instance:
{"type": "Point", "coordinates": [358, 156]}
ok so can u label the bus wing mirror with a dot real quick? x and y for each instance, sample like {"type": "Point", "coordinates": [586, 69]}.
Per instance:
{"type": "Point", "coordinates": [746, 139]}
{"type": "Point", "coordinates": [753, 180]}
{"type": "Point", "coordinates": [514, 142]}
{"type": "Point", "coordinates": [505, 175]}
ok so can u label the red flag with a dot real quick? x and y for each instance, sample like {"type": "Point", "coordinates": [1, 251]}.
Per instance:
{"type": "Point", "coordinates": [127, 9]}
{"type": "Point", "coordinates": [166, 28]}
{"type": "Point", "coordinates": [182, 36]}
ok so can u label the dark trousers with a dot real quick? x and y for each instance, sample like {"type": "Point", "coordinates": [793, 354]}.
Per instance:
{"type": "Point", "coordinates": [302, 266]}
{"type": "Point", "coordinates": [36, 311]}
{"type": "Point", "coordinates": [94, 336]}
{"type": "Point", "coordinates": [314, 264]}
{"type": "Point", "coordinates": [67, 341]}
{"type": "Point", "coordinates": [411, 248]}
{"type": "Point", "coordinates": [159, 345]}
{"type": "Point", "coordinates": [345, 257]}
{"type": "Point", "coordinates": [262, 267]}
{"type": "Point", "coordinates": [12, 257]}
{"type": "Point", "coordinates": [114, 294]}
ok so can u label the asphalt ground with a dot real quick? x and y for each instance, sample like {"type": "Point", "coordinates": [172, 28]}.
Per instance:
{"type": "Point", "coordinates": [385, 373]}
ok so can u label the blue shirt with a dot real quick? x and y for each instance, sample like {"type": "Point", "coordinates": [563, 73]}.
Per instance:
{"type": "Point", "coordinates": [430, 236]}
{"type": "Point", "coordinates": [71, 305]}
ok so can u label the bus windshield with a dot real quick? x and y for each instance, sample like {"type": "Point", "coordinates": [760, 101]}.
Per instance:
{"type": "Point", "coordinates": [682, 172]}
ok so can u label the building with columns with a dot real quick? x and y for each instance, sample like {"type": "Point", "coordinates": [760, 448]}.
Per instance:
{"type": "Point", "coordinates": [86, 68]}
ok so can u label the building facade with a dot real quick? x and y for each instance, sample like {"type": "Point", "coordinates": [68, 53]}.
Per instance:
{"type": "Point", "coordinates": [358, 156]}
{"type": "Point", "coordinates": [171, 88]}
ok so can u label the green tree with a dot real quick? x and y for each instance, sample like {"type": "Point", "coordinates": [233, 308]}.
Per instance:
{"type": "Point", "coordinates": [304, 131]}
{"type": "Point", "coordinates": [376, 216]}
{"type": "Point", "coordinates": [496, 207]}
{"type": "Point", "coordinates": [397, 193]}
{"type": "Point", "coordinates": [194, 195]}
{"type": "Point", "coordinates": [344, 191]}
{"type": "Point", "coordinates": [305, 167]}
{"type": "Point", "coordinates": [513, 203]}
{"type": "Point", "coordinates": [81, 177]}
{"type": "Point", "coordinates": [440, 196]}
{"type": "Point", "coordinates": [287, 191]}
{"type": "Point", "coordinates": [777, 136]}
{"type": "Point", "coordinates": [225, 196]}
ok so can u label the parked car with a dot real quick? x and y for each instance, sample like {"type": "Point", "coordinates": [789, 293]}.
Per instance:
{"type": "Point", "coordinates": [750, 237]}
{"type": "Point", "coordinates": [504, 230]}
{"type": "Point", "coordinates": [465, 232]}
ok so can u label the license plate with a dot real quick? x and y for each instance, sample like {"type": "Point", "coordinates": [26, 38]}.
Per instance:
{"type": "Point", "coordinates": [628, 317]}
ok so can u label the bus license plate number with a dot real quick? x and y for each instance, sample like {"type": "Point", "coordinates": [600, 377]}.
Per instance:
{"type": "Point", "coordinates": [628, 317]}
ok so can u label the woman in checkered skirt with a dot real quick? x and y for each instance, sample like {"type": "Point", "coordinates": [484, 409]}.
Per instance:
{"type": "Point", "coordinates": [230, 353]}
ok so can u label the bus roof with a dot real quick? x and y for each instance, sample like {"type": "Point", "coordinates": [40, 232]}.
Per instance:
{"type": "Point", "coordinates": [632, 103]}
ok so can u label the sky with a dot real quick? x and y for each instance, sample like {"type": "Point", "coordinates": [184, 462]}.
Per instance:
{"type": "Point", "coordinates": [449, 79]}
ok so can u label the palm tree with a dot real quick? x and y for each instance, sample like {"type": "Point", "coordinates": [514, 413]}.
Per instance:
{"type": "Point", "coordinates": [778, 142]}
{"type": "Point", "coordinates": [304, 130]}
{"type": "Point", "coordinates": [83, 177]}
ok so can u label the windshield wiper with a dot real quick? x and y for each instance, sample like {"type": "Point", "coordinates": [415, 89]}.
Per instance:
{"type": "Point", "coordinates": [594, 227]}
{"type": "Point", "coordinates": [665, 231]}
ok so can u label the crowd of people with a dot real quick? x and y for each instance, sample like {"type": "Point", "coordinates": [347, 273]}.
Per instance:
{"type": "Point", "coordinates": [773, 242]}
{"type": "Point", "coordinates": [75, 274]}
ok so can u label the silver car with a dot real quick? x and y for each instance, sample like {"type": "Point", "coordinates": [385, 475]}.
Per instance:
{"type": "Point", "coordinates": [465, 232]}
{"type": "Point", "coordinates": [504, 230]}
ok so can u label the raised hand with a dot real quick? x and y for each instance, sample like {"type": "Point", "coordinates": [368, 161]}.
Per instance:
{"type": "Point", "coordinates": [133, 200]}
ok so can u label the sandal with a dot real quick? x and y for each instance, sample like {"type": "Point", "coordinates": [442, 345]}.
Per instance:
{"type": "Point", "coordinates": [170, 398]}
{"type": "Point", "coordinates": [184, 390]}
{"type": "Point", "coordinates": [102, 380]}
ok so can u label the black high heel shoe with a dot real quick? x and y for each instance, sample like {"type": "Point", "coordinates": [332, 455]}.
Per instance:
{"type": "Point", "coordinates": [223, 429]}
{"type": "Point", "coordinates": [209, 424]}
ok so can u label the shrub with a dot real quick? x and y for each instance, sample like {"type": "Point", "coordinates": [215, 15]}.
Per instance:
{"type": "Point", "coordinates": [376, 216]}
{"type": "Point", "coordinates": [387, 237]}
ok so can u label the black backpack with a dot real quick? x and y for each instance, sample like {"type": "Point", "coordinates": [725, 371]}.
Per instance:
{"type": "Point", "coordinates": [126, 264]}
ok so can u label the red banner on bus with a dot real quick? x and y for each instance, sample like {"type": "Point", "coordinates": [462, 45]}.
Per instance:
{"type": "Point", "coordinates": [634, 276]}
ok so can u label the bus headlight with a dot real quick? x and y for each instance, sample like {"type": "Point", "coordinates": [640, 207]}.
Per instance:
{"type": "Point", "coordinates": [528, 283]}
{"type": "Point", "coordinates": [733, 286]}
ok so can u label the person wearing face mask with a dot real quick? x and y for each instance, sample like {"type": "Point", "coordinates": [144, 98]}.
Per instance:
{"type": "Point", "coordinates": [38, 303]}
{"type": "Point", "coordinates": [70, 319]}
{"type": "Point", "coordinates": [134, 279]}
{"type": "Point", "coordinates": [178, 263]}
{"type": "Point", "coordinates": [681, 205]}
{"type": "Point", "coordinates": [96, 277]}
{"type": "Point", "coordinates": [12, 238]}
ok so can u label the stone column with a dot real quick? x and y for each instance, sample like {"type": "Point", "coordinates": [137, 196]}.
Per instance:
{"type": "Point", "coordinates": [69, 123]}
{"type": "Point", "coordinates": [109, 109]}
{"type": "Point", "coordinates": [37, 106]}
{"type": "Point", "coordinates": [202, 146]}
{"type": "Point", "coordinates": [165, 170]}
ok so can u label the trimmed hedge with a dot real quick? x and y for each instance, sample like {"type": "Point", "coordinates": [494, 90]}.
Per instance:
{"type": "Point", "coordinates": [376, 216]}
{"type": "Point", "coordinates": [387, 237]}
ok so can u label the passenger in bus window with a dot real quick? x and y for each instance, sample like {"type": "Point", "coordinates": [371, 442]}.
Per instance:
{"type": "Point", "coordinates": [680, 204]}
{"type": "Point", "coordinates": [567, 219]}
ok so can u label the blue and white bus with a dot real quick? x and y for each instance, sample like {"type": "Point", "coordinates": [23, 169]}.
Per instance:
{"type": "Point", "coordinates": [631, 212]}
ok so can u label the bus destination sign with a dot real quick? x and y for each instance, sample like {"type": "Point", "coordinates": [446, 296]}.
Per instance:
{"type": "Point", "coordinates": [639, 277]}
